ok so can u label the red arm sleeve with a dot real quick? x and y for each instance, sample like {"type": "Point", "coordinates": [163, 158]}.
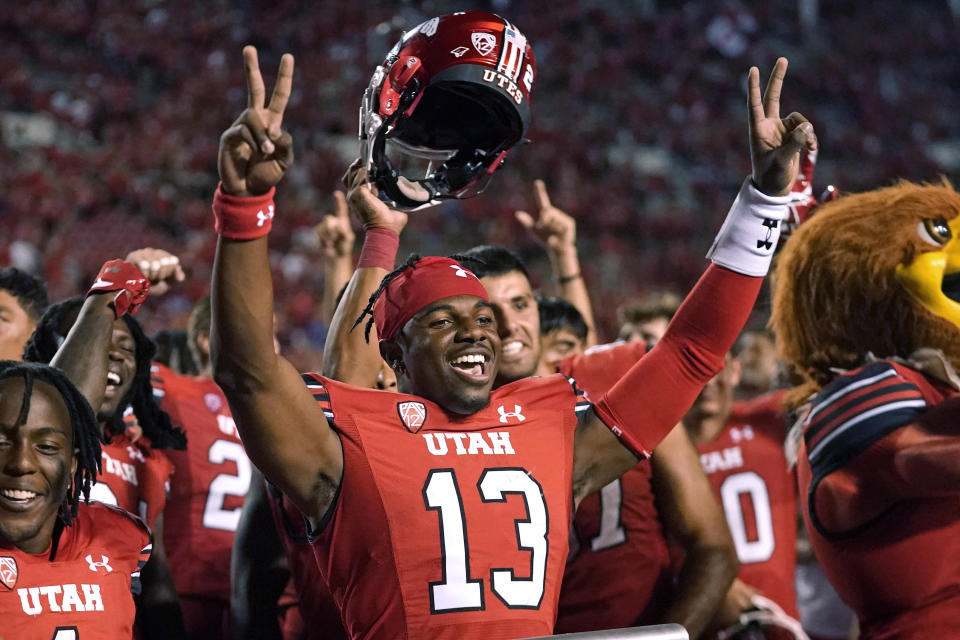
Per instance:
{"type": "Point", "coordinates": [652, 397]}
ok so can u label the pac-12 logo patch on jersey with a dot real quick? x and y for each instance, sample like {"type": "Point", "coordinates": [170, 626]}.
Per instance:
{"type": "Point", "coordinates": [8, 572]}
{"type": "Point", "coordinates": [412, 414]}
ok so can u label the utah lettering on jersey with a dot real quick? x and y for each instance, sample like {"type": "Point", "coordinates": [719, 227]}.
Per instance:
{"type": "Point", "coordinates": [125, 470]}
{"type": "Point", "coordinates": [495, 443]}
{"type": "Point", "coordinates": [729, 458]}
{"type": "Point", "coordinates": [60, 598]}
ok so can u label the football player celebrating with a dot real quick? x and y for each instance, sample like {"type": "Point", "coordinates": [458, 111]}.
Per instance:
{"type": "Point", "coordinates": [103, 350]}
{"type": "Point", "coordinates": [68, 569]}
{"type": "Point", "coordinates": [741, 450]}
{"type": "Point", "coordinates": [377, 474]}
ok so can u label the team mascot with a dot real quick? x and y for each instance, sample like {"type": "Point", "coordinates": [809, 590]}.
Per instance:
{"type": "Point", "coordinates": [865, 310]}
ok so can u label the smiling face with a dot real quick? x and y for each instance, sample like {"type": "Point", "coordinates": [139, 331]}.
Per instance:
{"type": "Point", "coordinates": [36, 462]}
{"type": "Point", "coordinates": [518, 320]}
{"type": "Point", "coordinates": [121, 369]}
{"type": "Point", "coordinates": [450, 350]}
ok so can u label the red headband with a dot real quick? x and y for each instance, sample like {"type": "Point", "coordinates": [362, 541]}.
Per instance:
{"type": "Point", "coordinates": [429, 280]}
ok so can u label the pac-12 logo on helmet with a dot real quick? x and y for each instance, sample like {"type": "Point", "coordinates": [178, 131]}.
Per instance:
{"type": "Point", "coordinates": [444, 108]}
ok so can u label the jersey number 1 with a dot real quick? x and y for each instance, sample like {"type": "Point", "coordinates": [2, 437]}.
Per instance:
{"type": "Point", "coordinates": [456, 591]}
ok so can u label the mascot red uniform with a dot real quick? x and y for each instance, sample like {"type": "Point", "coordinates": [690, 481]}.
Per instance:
{"type": "Point", "coordinates": [864, 310]}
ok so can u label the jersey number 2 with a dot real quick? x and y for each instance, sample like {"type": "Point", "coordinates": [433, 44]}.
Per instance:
{"type": "Point", "coordinates": [456, 591]}
{"type": "Point", "coordinates": [225, 484]}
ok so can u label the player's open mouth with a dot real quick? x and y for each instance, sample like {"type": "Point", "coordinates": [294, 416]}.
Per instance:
{"type": "Point", "coordinates": [114, 381]}
{"type": "Point", "coordinates": [18, 499]}
{"type": "Point", "coordinates": [474, 366]}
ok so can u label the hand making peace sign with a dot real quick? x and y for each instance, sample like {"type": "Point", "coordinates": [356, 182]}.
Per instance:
{"type": "Point", "coordinates": [255, 151]}
{"type": "Point", "coordinates": [775, 142]}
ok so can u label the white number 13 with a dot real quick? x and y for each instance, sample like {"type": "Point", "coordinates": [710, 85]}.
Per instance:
{"type": "Point", "coordinates": [456, 591]}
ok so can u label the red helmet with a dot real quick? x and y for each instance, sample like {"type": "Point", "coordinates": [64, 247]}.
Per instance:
{"type": "Point", "coordinates": [444, 107]}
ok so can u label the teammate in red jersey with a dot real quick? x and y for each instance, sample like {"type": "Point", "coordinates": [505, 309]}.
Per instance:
{"type": "Point", "coordinates": [741, 450]}
{"type": "Point", "coordinates": [67, 569]}
{"type": "Point", "coordinates": [105, 352]}
{"type": "Point", "coordinates": [211, 478]}
{"type": "Point", "coordinates": [410, 496]}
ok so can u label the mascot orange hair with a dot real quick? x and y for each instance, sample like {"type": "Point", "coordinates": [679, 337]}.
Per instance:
{"type": "Point", "coordinates": [865, 309]}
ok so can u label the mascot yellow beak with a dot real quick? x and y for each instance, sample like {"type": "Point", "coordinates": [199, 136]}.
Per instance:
{"type": "Point", "coordinates": [934, 273]}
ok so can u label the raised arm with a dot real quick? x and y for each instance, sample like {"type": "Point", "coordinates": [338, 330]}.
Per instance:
{"type": "Point", "coordinates": [85, 353]}
{"type": "Point", "coordinates": [638, 412]}
{"type": "Point", "coordinates": [557, 232]}
{"type": "Point", "coordinates": [284, 431]}
{"type": "Point", "coordinates": [348, 355]}
{"type": "Point", "coordinates": [336, 245]}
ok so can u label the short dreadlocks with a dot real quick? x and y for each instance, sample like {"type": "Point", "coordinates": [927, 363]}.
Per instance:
{"type": "Point", "coordinates": [83, 424]}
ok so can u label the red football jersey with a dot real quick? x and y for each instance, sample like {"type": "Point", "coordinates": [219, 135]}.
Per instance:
{"type": "Point", "coordinates": [210, 481]}
{"type": "Point", "coordinates": [748, 470]}
{"type": "Point", "coordinates": [619, 573]}
{"type": "Point", "coordinates": [133, 477]}
{"type": "Point", "coordinates": [900, 571]}
{"type": "Point", "coordinates": [450, 526]}
{"type": "Point", "coordinates": [86, 591]}
{"type": "Point", "coordinates": [319, 616]}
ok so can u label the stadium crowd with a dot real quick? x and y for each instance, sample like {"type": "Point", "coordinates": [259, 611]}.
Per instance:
{"type": "Point", "coordinates": [134, 90]}
{"type": "Point", "coordinates": [110, 112]}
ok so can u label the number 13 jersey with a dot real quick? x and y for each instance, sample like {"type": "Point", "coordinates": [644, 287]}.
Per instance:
{"type": "Point", "coordinates": [449, 526]}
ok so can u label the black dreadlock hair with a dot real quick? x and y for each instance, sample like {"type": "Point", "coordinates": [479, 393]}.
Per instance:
{"type": "Point", "coordinates": [50, 333]}
{"type": "Point", "coordinates": [85, 432]}
{"type": "Point", "coordinates": [410, 263]}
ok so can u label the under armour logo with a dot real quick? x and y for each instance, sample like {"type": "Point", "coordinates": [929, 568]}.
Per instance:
{"type": "Point", "coordinates": [135, 454]}
{"type": "Point", "coordinates": [506, 415]}
{"type": "Point", "coordinates": [461, 272]}
{"type": "Point", "coordinates": [770, 224]}
{"type": "Point", "coordinates": [263, 217]}
{"type": "Point", "coordinates": [96, 566]}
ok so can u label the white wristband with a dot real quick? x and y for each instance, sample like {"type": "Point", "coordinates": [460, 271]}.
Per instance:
{"type": "Point", "coordinates": [750, 233]}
